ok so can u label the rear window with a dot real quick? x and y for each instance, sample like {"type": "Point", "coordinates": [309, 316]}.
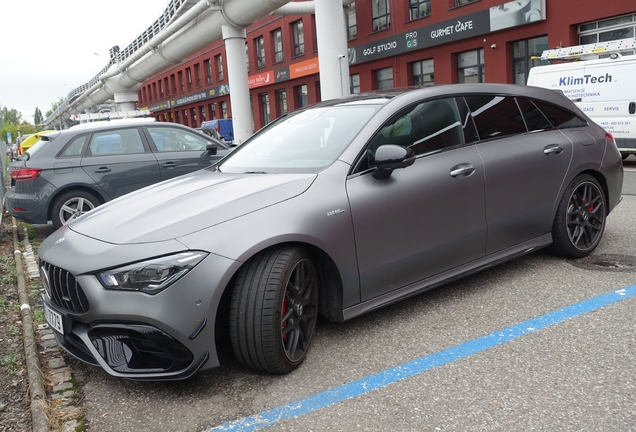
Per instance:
{"type": "Point", "coordinates": [559, 117]}
{"type": "Point", "coordinates": [495, 116]}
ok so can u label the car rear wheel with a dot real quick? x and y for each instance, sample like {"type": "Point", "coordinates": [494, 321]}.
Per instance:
{"type": "Point", "coordinates": [580, 219]}
{"type": "Point", "coordinates": [71, 205]}
{"type": "Point", "coordinates": [273, 310]}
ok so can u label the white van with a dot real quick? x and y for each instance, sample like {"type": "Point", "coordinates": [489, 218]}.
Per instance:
{"type": "Point", "coordinates": [605, 89]}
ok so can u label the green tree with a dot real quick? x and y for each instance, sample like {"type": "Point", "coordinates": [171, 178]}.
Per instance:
{"type": "Point", "coordinates": [54, 106]}
{"type": "Point", "coordinates": [37, 116]}
{"type": "Point", "coordinates": [10, 116]}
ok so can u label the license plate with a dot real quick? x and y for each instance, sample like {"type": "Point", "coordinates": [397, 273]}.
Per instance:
{"type": "Point", "coordinates": [54, 319]}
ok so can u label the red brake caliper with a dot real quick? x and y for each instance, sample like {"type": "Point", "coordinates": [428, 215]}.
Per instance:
{"type": "Point", "coordinates": [282, 314]}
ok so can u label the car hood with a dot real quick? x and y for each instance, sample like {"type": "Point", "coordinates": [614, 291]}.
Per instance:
{"type": "Point", "coordinates": [187, 204]}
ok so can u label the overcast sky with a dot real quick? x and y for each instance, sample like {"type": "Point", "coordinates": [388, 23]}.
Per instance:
{"type": "Point", "coordinates": [48, 46]}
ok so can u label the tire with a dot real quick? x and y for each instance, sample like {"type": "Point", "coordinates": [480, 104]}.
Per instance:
{"type": "Point", "coordinates": [271, 321]}
{"type": "Point", "coordinates": [71, 205]}
{"type": "Point", "coordinates": [580, 218]}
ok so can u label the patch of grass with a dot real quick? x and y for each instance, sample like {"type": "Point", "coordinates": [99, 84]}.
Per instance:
{"type": "Point", "coordinates": [3, 304]}
{"type": "Point", "coordinates": [15, 330]}
{"type": "Point", "coordinates": [11, 363]}
{"type": "Point", "coordinates": [38, 316]}
{"type": "Point", "coordinates": [8, 273]}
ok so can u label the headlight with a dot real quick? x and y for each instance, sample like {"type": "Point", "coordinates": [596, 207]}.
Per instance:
{"type": "Point", "coordinates": [151, 276]}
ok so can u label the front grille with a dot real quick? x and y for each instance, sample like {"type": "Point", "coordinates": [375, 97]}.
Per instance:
{"type": "Point", "coordinates": [63, 289]}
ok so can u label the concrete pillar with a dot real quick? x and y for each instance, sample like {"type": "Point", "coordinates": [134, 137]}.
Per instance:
{"type": "Point", "coordinates": [126, 101]}
{"type": "Point", "coordinates": [237, 77]}
{"type": "Point", "coordinates": [332, 49]}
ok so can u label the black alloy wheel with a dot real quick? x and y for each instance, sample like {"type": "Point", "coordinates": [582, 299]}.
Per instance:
{"type": "Point", "coordinates": [274, 308]}
{"type": "Point", "coordinates": [580, 219]}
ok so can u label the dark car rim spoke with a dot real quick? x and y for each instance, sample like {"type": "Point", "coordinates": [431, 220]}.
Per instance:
{"type": "Point", "coordinates": [585, 216]}
{"type": "Point", "coordinates": [298, 310]}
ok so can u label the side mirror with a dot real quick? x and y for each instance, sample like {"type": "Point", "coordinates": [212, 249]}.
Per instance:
{"type": "Point", "coordinates": [212, 148]}
{"type": "Point", "coordinates": [389, 157]}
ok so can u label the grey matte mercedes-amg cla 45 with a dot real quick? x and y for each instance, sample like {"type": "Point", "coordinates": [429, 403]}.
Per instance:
{"type": "Point", "coordinates": [336, 209]}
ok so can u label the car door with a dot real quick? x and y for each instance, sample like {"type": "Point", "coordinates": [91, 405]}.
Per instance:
{"type": "Point", "coordinates": [180, 151]}
{"type": "Point", "coordinates": [119, 163]}
{"type": "Point", "coordinates": [423, 219]}
{"type": "Point", "coordinates": [525, 161]}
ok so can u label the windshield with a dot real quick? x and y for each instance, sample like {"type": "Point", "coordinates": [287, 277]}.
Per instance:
{"type": "Point", "coordinates": [305, 141]}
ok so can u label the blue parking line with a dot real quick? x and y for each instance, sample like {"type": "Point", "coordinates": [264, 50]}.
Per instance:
{"type": "Point", "coordinates": [389, 376]}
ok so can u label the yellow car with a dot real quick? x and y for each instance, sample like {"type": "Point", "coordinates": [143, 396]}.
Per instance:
{"type": "Point", "coordinates": [30, 140]}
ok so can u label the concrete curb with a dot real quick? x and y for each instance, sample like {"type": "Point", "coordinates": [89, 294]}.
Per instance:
{"type": "Point", "coordinates": [36, 383]}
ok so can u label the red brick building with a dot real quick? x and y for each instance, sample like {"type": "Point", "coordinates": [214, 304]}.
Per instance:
{"type": "Point", "coordinates": [392, 44]}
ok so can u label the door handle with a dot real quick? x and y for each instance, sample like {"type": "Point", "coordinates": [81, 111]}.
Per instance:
{"type": "Point", "coordinates": [462, 170]}
{"type": "Point", "coordinates": [553, 149]}
{"type": "Point", "coordinates": [169, 165]}
{"type": "Point", "coordinates": [632, 107]}
{"type": "Point", "coordinates": [101, 170]}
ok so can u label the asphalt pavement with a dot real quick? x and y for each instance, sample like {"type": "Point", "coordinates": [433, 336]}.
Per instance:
{"type": "Point", "coordinates": [426, 363]}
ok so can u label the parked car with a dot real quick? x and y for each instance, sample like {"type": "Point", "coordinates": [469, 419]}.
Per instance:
{"type": "Point", "coordinates": [73, 171]}
{"type": "Point", "coordinates": [336, 209]}
{"type": "Point", "coordinates": [224, 128]}
{"type": "Point", "coordinates": [30, 140]}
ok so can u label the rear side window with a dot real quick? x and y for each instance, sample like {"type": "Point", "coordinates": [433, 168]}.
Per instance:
{"type": "Point", "coordinates": [535, 120]}
{"type": "Point", "coordinates": [559, 117]}
{"type": "Point", "coordinates": [495, 116]}
{"type": "Point", "coordinates": [76, 147]}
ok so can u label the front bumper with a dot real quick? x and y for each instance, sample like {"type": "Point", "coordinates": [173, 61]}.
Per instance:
{"type": "Point", "coordinates": [166, 336]}
{"type": "Point", "coordinates": [127, 350]}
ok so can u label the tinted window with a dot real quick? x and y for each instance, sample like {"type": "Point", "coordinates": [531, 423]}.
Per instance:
{"type": "Point", "coordinates": [116, 142]}
{"type": "Point", "coordinates": [535, 120]}
{"type": "Point", "coordinates": [559, 117]}
{"type": "Point", "coordinates": [76, 147]}
{"type": "Point", "coordinates": [428, 127]}
{"type": "Point", "coordinates": [495, 116]}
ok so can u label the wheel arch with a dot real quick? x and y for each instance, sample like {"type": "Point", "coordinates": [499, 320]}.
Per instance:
{"type": "Point", "coordinates": [70, 188]}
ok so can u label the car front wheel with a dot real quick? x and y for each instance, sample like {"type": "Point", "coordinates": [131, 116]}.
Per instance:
{"type": "Point", "coordinates": [71, 205]}
{"type": "Point", "coordinates": [580, 218]}
{"type": "Point", "coordinates": [273, 310]}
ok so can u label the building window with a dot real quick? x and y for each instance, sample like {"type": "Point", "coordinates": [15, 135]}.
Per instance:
{"type": "Point", "coordinates": [212, 111]}
{"type": "Point", "coordinates": [165, 86]}
{"type": "Point", "coordinates": [277, 38]}
{"type": "Point", "coordinates": [463, 2]}
{"type": "Point", "coordinates": [608, 30]}
{"type": "Point", "coordinates": [208, 71]}
{"type": "Point", "coordinates": [354, 83]}
{"type": "Point", "coordinates": [299, 38]}
{"type": "Point", "coordinates": [423, 73]}
{"type": "Point", "coordinates": [470, 66]}
{"type": "Point", "coordinates": [174, 84]}
{"type": "Point", "coordinates": [264, 97]}
{"type": "Point", "coordinates": [178, 117]}
{"type": "Point", "coordinates": [202, 109]}
{"type": "Point", "coordinates": [181, 83]}
{"type": "Point", "coordinates": [247, 57]}
{"type": "Point", "coordinates": [161, 95]}
{"type": "Point", "coordinates": [419, 8]}
{"type": "Point", "coordinates": [301, 95]}
{"type": "Point", "coordinates": [522, 53]}
{"type": "Point", "coordinates": [189, 77]}
{"type": "Point", "coordinates": [197, 74]}
{"type": "Point", "coordinates": [223, 110]}
{"type": "Point", "coordinates": [384, 78]}
{"type": "Point", "coordinates": [259, 47]}
{"type": "Point", "coordinates": [350, 17]}
{"type": "Point", "coordinates": [154, 91]}
{"type": "Point", "coordinates": [380, 15]}
{"type": "Point", "coordinates": [281, 97]}
{"type": "Point", "coordinates": [219, 67]}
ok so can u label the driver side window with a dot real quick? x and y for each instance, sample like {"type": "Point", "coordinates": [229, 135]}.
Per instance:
{"type": "Point", "coordinates": [427, 128]}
